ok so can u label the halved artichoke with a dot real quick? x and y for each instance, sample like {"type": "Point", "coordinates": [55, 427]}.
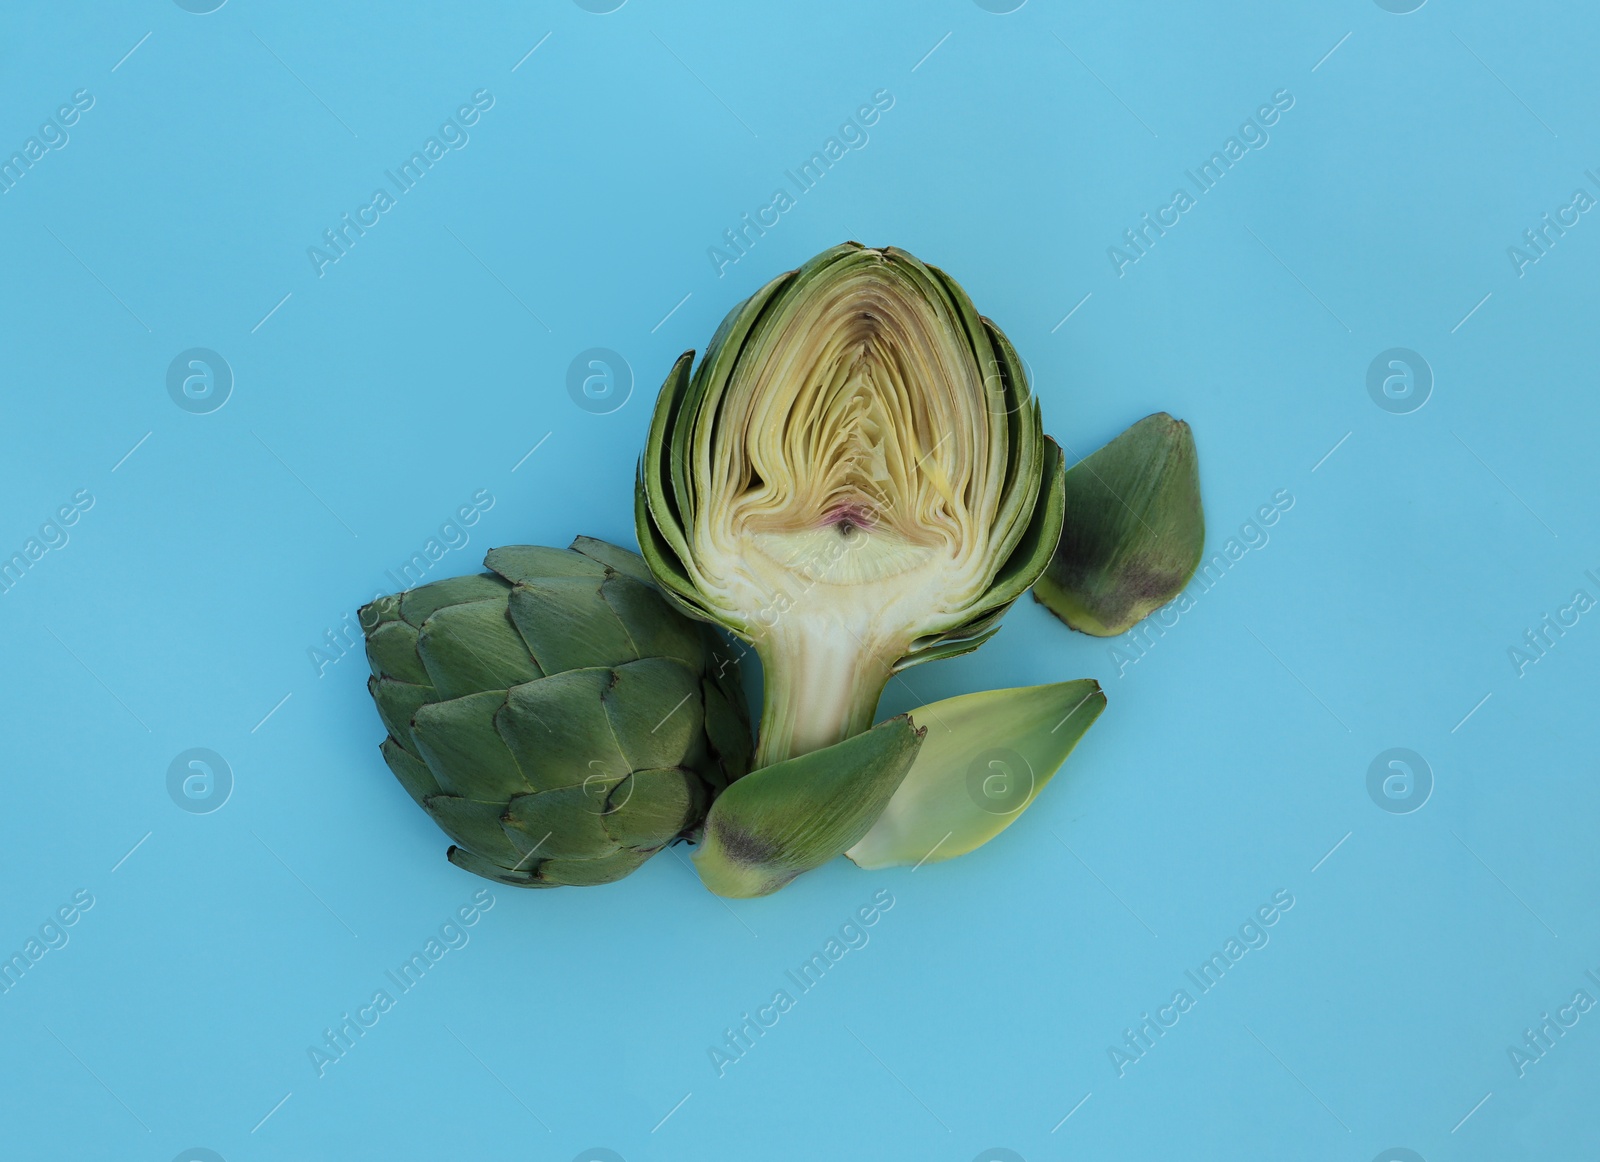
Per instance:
{"type": "Point", "coordinates": [854, 479]}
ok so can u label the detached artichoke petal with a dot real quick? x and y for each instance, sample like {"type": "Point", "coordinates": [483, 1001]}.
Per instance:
{"type": "Point", "coordinates": [1134, 530]}
{"type": "Point", "coordinates": [984, 761]}
{"type": "Point", "coordinates": [795, 815]}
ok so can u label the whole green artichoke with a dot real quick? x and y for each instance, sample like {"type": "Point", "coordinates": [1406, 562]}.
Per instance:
{"type": "Point", "coordinates": [557, 719]}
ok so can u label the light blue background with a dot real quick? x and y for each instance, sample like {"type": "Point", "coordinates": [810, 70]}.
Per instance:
{"type": "Point", "coordinates": [426, 364]}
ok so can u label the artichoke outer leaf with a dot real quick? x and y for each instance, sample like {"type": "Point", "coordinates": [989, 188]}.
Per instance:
{"type": "Point", "coordinates": [651, 808]}
{"type": "Point", "coordinates": [651, 624]}
{"type": "Point", "coordinates": [471, 647]}
{"type": "Point", "coordinates": [588, 873]}
{"type": "Point", "coordinates": [421, 603]}
{"type": "Point", "coordinates": [655, 714]}
{"type": "Point", "coordinates": [567, 623]}
{"type": "Point", "coordinates": [379, 611]}
{"type": "Point", "coordinates": [459, 742]}
{"type": "Point", "coordinates": [727, 729]}
{"type": "Point", "coordinates": [662, 538]}
{"type": "Point", "coordinates": [397, 702]}
{"type": "Point", "coordinates": [984, 761]}
{"type": "Point", "coordinates": [1134, 530]}
{"type": "Point", "coordinates": [536, 562]}
{"type": "Point", "coordinates": [567, 823]}
{"type": "Point", "coordinates": [1032, 554]}
{"type": "Point", "coordinates": [624, 561]}
{"type": "Point", "coordinates": [558, 731]}
{"type": "Point", "coordinates": [412, 772]}
{"type": "Point", "coordinates": [476, 826]}
{"type": "Point", "coordinates": [797, 814]}
{"type": "Point", "coordinates": [392, 652]}
{"type": "Point", "coordinates": [490, 870]}
{"type": "Point", "coordinates": [666, 565]}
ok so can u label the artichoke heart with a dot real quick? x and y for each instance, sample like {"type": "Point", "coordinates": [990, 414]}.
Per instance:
{"type": "Point", "coordinates": [854, 479]}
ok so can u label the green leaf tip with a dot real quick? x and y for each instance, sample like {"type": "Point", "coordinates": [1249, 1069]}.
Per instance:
{"type": "Point", "coordinates": [984, 761]}
{"type": "Point", "coordinates": [792, 816]}
{"type": "Point", "coordinates": [1134, 530]}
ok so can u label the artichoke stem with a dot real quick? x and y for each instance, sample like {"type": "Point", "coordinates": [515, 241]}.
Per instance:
{"type": "Point", "coordinates": [821, 688]}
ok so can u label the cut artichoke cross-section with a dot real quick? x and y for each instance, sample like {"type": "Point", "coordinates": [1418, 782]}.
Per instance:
{"type": "Point", "coordinates": [854, 479]}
